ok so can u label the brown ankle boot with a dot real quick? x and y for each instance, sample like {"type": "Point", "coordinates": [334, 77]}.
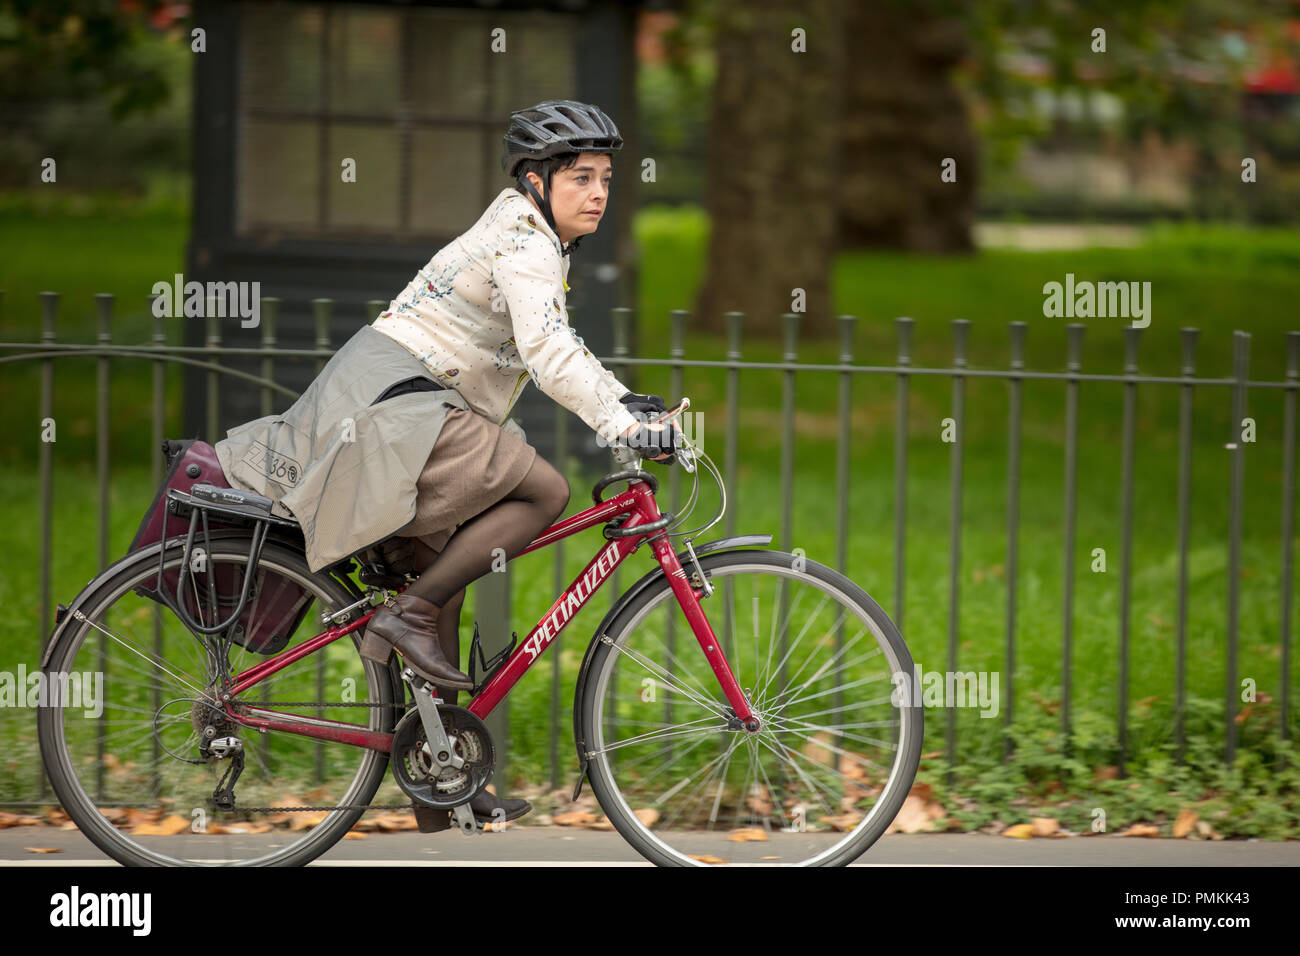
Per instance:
{"type": "Point", "coordinates": [410, 625]}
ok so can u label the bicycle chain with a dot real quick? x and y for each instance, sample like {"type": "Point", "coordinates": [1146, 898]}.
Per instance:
{"type": "Point", "coordinates": [348, 806]}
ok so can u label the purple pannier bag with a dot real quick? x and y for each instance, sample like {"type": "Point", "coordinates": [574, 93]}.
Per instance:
{"type": "Point", "coordinates": [276, 605]}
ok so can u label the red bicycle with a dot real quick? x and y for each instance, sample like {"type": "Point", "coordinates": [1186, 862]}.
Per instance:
{"type": "Point", "coordinates": [766, 730]}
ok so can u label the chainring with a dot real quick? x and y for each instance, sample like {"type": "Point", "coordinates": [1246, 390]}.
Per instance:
{"type": "Point", "coordinates": [414, 768]}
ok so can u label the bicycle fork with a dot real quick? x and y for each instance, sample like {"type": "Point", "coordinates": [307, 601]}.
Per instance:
{"type": "Point", "coordinates": [689, 599]}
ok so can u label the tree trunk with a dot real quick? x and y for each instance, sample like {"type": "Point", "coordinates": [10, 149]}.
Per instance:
{"type": "Point", "coordinates": [773, 164]}
{"type": "Point", "coordinates": [902, 118]}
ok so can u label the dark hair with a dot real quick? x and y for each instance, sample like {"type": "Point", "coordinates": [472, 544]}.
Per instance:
{"type": "Point", "coordinates": [559, 163]}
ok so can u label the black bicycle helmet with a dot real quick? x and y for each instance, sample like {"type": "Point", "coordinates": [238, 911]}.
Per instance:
{"type": "Point", "coordinates": [548, 129]}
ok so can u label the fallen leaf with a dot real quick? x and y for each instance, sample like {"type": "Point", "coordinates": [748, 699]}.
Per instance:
{"type": "Point", "coordinates": [42, 849]}
{"type": "Point", "coordinates": [1021, 831]}
{"type": "Point", "coordinates": [171, 826]}
{"type": "Point", "coordinates": [845, 821]}
{"type": "Point", "coordinates": [911, 817]}
{"type": "Point", "coordinates": [1204, 828]}
{"type": "Point", "coordinates": [759, 800]}
{"type": "Point", "coordinates": [818, 748]}
{"type": "Point", "coordinates": [396, 822]}
{"type": "Point", "coordinates": [354, 835]}
{"type": "Point", "coordinates": [1185, 823]}
{"type": "Point", "coordinates": [55, 816]}
{"type": "Point", "coordinates": [705, 858]}
{"type": "Point", "coordinates": [1044, 826]}
{"type": "Point", "coordinates": [1142, 830]}
{"type": "Point", "coordinates": [136, 816]}
{"type": "Point", "coordinates": [648, 817]}
{"type": "Point", "coordinates": [285, 816]}
{"type": "Point", "coordinates": [852, 766]}
{"type": "Point", "coordinates": [600, 824]}
{"type": "Point", "coordinates": [304, 820]}
{"type": "Point", "coordinates": [747, 835]}
{"type": "Point", "coordinates": [251, 828]}
{"type": "Point", "coordinates": [113, 815]}
{"type": "Point", "coordinates": [769, 858]}
{"type": "Point", "coordinates": [574, 818]}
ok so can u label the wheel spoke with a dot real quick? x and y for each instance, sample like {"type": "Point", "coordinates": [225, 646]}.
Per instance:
{"type": "Point", "coordinates": [147, 752]}
{"type": "Point", "coordinates": [816, 690]}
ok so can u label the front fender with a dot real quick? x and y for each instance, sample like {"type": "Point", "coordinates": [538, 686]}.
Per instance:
{"type": "Point", "coordinates": [645, 581]}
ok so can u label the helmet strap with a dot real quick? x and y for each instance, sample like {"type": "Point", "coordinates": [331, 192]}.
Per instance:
{"type": "Point", "coordinates": [544, 204]}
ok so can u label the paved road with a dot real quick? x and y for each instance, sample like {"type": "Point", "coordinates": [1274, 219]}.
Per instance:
{"type": "Point", "coordinates": [550, 846]}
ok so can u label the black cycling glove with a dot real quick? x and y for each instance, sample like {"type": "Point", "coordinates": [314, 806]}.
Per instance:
{"type": "Point", "coordinates": [644, 406]}
{"type": "Point", "coordinates": [651, 442]}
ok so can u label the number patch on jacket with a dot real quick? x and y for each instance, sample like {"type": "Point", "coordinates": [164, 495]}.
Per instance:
{"type": "Point", "coordinates": [276, 467]}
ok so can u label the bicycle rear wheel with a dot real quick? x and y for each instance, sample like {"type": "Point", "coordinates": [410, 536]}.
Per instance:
{"type": "Point", "coordinates": [834, 757]}
{"type": "Point", "coordinates": [128, 769]}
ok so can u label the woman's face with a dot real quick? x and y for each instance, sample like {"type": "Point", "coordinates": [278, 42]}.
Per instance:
{"type": "Point", "coordinates": [578, 192]}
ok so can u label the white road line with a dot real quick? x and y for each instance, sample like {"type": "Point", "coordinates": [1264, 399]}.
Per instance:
{"type": "Point", "coordinates": [523, 863]}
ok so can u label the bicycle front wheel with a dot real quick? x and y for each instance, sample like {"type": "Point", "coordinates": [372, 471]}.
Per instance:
{"type": "Point", "coordinates": [128, 766]}
{"type": "Point", "coordinates": [819, 660]}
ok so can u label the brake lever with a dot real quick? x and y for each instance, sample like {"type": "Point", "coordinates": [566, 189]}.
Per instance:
{"type": "Point", "coordinates": [683, 453]}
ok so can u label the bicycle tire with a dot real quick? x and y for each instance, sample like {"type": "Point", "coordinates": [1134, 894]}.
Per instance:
{"type": "Point", "coordinates": [117, 584]}
{"type": "Point", "coordinates": [616, 798]}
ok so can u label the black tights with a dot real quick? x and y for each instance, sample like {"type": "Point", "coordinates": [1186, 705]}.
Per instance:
{"type": "Point", "coordinates": [510, 524]}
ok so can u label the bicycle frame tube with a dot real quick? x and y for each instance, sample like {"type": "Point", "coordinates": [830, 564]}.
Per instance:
{"type": "Point", "coordinates": [638, 502]}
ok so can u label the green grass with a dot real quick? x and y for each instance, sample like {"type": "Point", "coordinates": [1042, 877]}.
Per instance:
{"type": "Point", "coordinates": [80, 246]}
{"type": "Point", "coordinates": [1217, 279]}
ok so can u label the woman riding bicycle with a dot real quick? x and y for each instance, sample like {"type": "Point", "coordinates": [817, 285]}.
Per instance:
{"type": "Point", "coordinates": [405, 433]}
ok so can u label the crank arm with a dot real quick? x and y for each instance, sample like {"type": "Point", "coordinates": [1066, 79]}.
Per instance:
{"type": "Point", "coordinates": [464, 818]}
{"type": "Point", "coordinates": [439, 746]}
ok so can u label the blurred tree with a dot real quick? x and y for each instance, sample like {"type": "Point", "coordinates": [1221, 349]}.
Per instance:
{"type": "Point", "coordinates": [903, 118]}
{"type": "Point", "coordinates": [101, 85]}
{"type": "Point", "coordinates": [73, 49]}
{"type": "Point", "coordinates": [774, 160]}
{"type": "Point", "coordinates": [843, 144]}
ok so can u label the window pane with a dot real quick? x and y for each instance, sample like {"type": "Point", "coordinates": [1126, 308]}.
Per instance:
{"type": "Point", "coordinates": [278, 175]}
{"type": "Point", "coordinates": [370, 203]}
{"type": "Point", "coordinates": [365, 56]}
{"type": "Point", "coordinates": [280, 56]}
{"type": "Point", "coordinates": [447, 73]}
{"type": "Point", "coordinates": [448, 181]}
{"type": "Point", "coordinates": [540, 64]}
